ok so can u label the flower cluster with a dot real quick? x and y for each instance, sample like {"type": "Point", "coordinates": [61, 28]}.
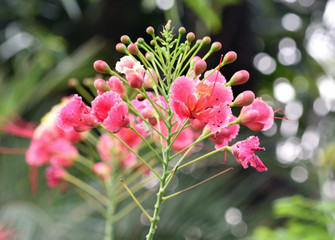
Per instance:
{"type": "Point", "coordinates": [158, 104]}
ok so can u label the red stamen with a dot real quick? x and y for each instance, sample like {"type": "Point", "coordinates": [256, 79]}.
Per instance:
{"type": "Point", "coordinates": [279, 109]}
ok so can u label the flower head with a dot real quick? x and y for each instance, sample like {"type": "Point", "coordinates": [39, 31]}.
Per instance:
{"type": "Point", "coordinates": [221, 138]}
{"type": "Point", "coordinates": [111, 111]}
{"type": "Point", "coordinates": [206, 101]}
{"type": "Point", "coordinates": [133, 70]}
{"type": "Point", "coordinates": [244, 152]}
{"type": "Point", "coordinates": [54, 175]}
{"type": "Point", "coordinates": [76, 116]}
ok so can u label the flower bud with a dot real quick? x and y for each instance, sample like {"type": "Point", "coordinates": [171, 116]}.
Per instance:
{"type": "Point", "coordinates": [140, 40]}
{"type": "Point", "coordinates": [116, 85]}
{"type": "Point", "coordinates": [101, 66]}
{"type": "Point", "coordinates": [150, 30]}
{"type": "Point", "coordinates": [206, 40]}
{"type": "Point", "coordinates": [149, 56]}
{"type": "Point", "coordinates": [120, 47]}
{"type": "Point", "coordinates": [101, 85]}
{"type": "Point", "coordinates": [230, 57]}
{"type": "Point", "coordinates": [182, 30]}
{"type": "Point", "coordinates": [149, 77]}
{"type": "Point", "coordinates": [200, 66]}
{"type": "Point", "coordinates": [190, 36]}
{"type": "Point", "coordinates": [239, 78]}
{"type": "Point", "coordinates": [244, 99]}
{"type": "Point", "coordinates": [152, 42]}
{"type": "Point", "coordinates": [194, 60]}
{"type": "Point", "coordinates": [134, 80]}
{"type": "Point", "coordinates": [140, 97]}
{"type": "Point", "coordinates": [216, 46]}
{"type": "Point", "coordinates": [125, 39]}
{"type": "Point", "coordinates": [132, 49]}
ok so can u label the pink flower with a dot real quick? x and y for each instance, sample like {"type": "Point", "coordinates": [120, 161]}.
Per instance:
{"type": "Point", "coordinates": [8, 233]}
{"type": "Point", "coordinates": [63, 153]}
{"type": "Point", "coordinates": [221, 138]}
{"type": "Point", "coordinates": [76, 116]}
{"type": "Point", "coordinates": [257, 116]}
{"type": "Point", "coordinates": [38, 152]}
{"type": "Point", "coordinates": [116, 85]}
{"type": "Point", "coordinates": [244, 153]}
{"type": "Point", "coordinates": [54, 175]}
{"type": "Point", "coordinates": [133, 70]}
{"type": "Point", "coordinates": [205, 101]}
{"type": "Point", "coordinates": [111, 111]}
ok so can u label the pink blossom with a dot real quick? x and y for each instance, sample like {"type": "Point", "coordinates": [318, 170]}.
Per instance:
{"type": "Point", "coordinates": [38, 152]}
{"type": "Point", "coordinates": [76, 116]}
{"type": "Point", "coordinates": [63, 153]}
{"type": "Point", "coordinates": [133, 70]}
{"type": "Point", "coordinates": [111, 111]}
{"type": "Point", "coordinates": [54, 175]}
{"type": "Point", "coordinates": [244, 153]}
{"type": "Point", "coordinates": [215, 76]}
{"type": "Point", "coordinates": [116, 85]}
{"type": "Point", "coordinates": [130, 137]}
{"type": "Point", "coordinates": [257, 116]}
{"type": "Point", "coordinates": [221, 138]}
{"type": "Point", "coordinates": [200, 101]}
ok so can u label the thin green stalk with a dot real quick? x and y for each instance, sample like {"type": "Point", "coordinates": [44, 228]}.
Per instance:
{"type": "Point", "coordinates": [87, 188]}
{"type": "Point", "coordinates": [109, 183]}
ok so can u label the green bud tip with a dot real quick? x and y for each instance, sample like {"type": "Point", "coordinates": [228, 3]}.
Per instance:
{"type": "Point", "coordinates": [182, 30]}
{"type": "Point", "coordinates": [190, 36]}
{"type": "Point", "coordinates": [150, 30]}
{"type": "Point", "coordinates": [206, 40]}
{"type": "Point", "coordinates": [125, 39]}
{"type": "Point", "coordinates": [140, 40]}
{"type": "Point", "coordinates": [149, 56]}
{"type": "Point", "coordinates": [120, 47]}
{"type": "Point", "coordinates": [216, 46]}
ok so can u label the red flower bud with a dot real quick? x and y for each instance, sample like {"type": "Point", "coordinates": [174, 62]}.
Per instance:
{"type": "Point", "coordinates": [132, 49]}
{"type": "Point", "coordinates": [150, 30]}
{"type": "Point", "coordinates": [244, 99]}
{"type": "Point", "coordinates": [120, 47]}
{"type": "Point", "coordinates": [125, 39]}
{"type": "Point", "coordinates": [206, 40]}
{"type": "Point", "coordinates": [230, 57]}
{"type": "Point", "coordinates": [190, 36]}
{"type": "Point", "coordinates": [182, 30]}
{"type": "Point", "coordinates": [200, 66]}
{"type": "Point", "coordinates": [101, 66]}
{"type": "Point", "coordinates": [216, 46]}
{"type": "Point", "coordinates": [239, 78]}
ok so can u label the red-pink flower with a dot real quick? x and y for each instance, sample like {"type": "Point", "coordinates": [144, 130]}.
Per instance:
{"type": "Point", "coordinates": [76, 116]}
{"type": "Point", "coordinates": [133, 70]}
{"type": "Point", "coordinates": [205, 101]}
{"type": "Point", "coordinates": [111, 111]}
{"type": "Point", "coordinates": [54, 175]}
{"type": "Point", "coordinates": [221, 138]}
{"type": "Point", "coordinates": [104, 146]}
{"type": "Point", "coordinates": [244, 152]}
{"type": "Point", "coordinates": [38, 152]}
{"type": "Point", "coordinates": [63, 153]}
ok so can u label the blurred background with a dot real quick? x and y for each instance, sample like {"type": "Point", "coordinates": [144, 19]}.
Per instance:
{"type": "Point", "coordinates": [288, 46]}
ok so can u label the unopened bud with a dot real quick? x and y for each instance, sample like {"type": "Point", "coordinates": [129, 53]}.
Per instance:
{"type": "Point", "coordinates": [216, 46]}
{"type": "Point", "coordinates": [182, 30]}
{"type": "Point", "coordinates": [101, 85]}
{"type": "Point", "coordinates": [152, 42]}
{"type": "Point", "coordinates": [120, 47]}
{"type": "Point", "coordinates": [102, 170]}
{"type": "Point", "coordinates": [125, 39]}
{"type": "Point", "coordinates": [150, 30]}
{"type": "Point", "coordinates": [239, 78]}
{"type": "Point", "coordinates": [149, 56]}
{"type": "Point", "coordinates": [206, 40]}
{"type": "Point", "coordinates": [194, 60]}
{"type": "Point", "coordinates": [200, 66]}
{"type": "Point", "coordinates": [134, 80]}
{"type": "Point", "coordinates": [230, 57]}
{"type": "Point", "coordinates": [140, 40]}
{"type": "Point", "coordinates": [101, 66]}
{"type": "Point", "coordinates": [244, 99]}
{"type": "Point", "coordinates": [190, 36]}
{"type": "Point", "coordinates": [140, 97]}
{"type": "Point", "coordinates": [116, 85]}
{"type": "Point", "coordinates": [132, 49]}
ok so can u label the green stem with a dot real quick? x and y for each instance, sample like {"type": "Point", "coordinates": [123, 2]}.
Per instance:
{"type": "Point", "coordinates": [110, 208]}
